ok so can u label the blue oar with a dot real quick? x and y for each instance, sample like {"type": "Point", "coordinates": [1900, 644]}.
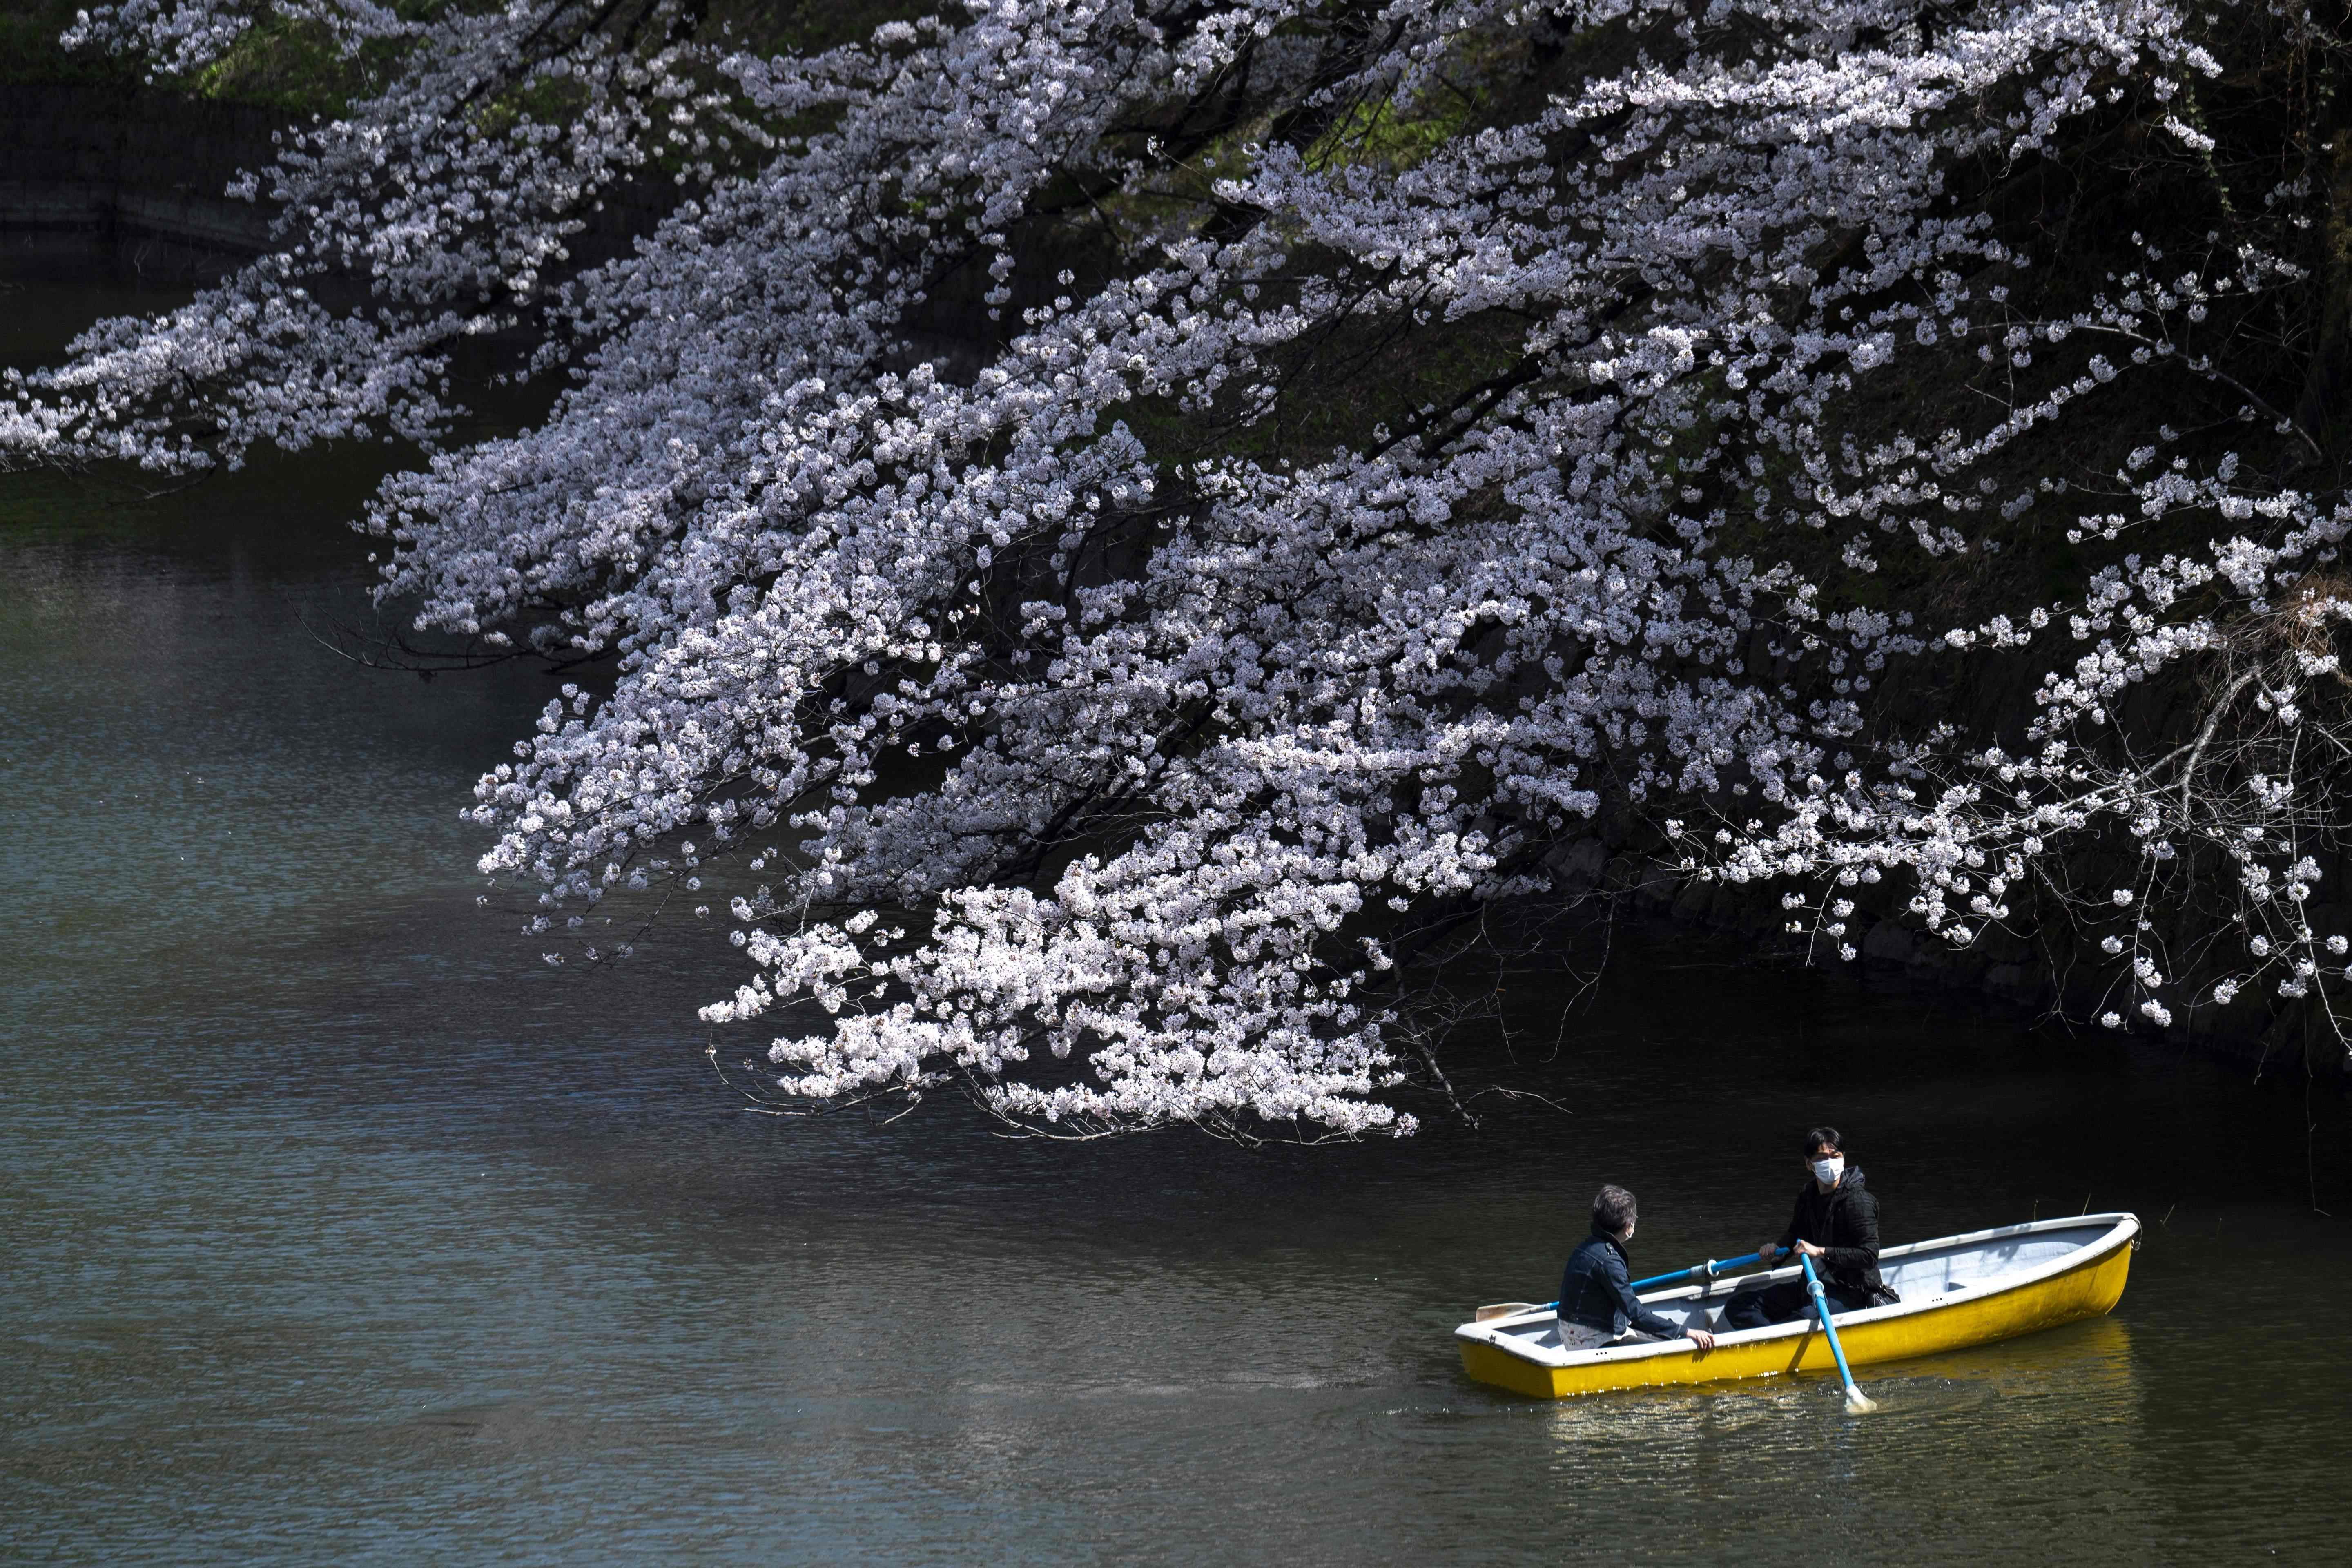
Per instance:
{"type": "Point", "coordinates": [1854, 1401]}
{"type": "Point", "coordinates": [1701, 1272]}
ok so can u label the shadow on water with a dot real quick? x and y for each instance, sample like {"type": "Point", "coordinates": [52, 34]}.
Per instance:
{"type": "Point", "coordinates": [333, 1226]}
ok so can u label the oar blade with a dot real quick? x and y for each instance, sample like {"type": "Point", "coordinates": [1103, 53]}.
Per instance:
{"type": "Point", "coordinates": [1503, 1309]}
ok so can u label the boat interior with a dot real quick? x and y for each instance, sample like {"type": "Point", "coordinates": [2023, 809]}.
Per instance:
{"type": "Point", "coordinates": [1920, 1272]}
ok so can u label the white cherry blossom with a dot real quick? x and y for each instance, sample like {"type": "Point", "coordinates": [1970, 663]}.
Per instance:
{"type": "Point", "coordinates": [1341, 501]}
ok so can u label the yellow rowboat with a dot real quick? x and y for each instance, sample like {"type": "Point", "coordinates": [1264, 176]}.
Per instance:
{"type": "Point", "coordinates": [1957, 1292]}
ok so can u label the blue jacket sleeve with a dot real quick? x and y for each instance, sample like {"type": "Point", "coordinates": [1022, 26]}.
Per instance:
{"type": "Point", "coordinates": [1636, 1314]}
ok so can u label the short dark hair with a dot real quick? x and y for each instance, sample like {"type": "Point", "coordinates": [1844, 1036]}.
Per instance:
{"type": "Point", "coordinates": [1821, 1135]}
{"type": "Point", "coordinates": [1612, 1209]}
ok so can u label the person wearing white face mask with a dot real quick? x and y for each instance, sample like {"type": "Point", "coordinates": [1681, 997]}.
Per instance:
{"type": "Point", "coordinates": [1836, 1226]}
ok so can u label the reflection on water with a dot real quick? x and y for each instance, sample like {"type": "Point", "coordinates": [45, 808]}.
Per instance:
{"type": "Point", "coordinates": [2042, 1427]}
{"type": "Point", "coordinates": [333, 1228]}
{"type": "Point", "coordinates": [2087, 1358]}
{"type": "Point", "coordinates": [2096, 1353]}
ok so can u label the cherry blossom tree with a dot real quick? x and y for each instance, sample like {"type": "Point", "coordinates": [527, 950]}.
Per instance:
{"type": "Point", "coordinates": [1129, 517]}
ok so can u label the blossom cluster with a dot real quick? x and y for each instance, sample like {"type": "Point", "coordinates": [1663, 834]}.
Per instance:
{"type": "Point", "coordinates": [1322, 525]}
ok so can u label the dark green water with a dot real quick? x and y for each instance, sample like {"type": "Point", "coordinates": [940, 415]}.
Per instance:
{"type": "Point", "coordinates": [332, 1226]}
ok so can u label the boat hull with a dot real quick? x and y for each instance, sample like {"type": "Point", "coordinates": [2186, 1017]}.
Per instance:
{"type": "Point", "coordinates": [2087, 1289]}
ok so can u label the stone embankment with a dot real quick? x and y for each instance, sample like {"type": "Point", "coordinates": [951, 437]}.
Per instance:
{"type": "Point", "coordinates": [2044, 966]}
{"type": "Point", "coordinates": [145, 171]}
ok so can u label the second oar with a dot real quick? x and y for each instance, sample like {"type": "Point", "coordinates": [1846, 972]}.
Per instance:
{"type": "Point", "coordinates": [1854, 1401]}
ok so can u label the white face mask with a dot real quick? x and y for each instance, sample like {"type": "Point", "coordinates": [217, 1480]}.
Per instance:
{"type": "Point", "coordinates": [1827, 1172]}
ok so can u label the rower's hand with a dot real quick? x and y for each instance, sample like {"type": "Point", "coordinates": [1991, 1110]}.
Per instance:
{"type": "Point", "coordinates": [1766, 1253]}
{"type": "Point", "coordinates": [1700, 1338]}
{"type": "Point", "coordinates": [1810, 1250]}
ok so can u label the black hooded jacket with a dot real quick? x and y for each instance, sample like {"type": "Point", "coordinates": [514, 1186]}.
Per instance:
{"type": "Point", "coordinates": [1842, 1221]}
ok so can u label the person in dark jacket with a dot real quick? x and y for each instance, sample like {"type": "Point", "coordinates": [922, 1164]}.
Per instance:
{"type": "Point", "coordinates": [1836, 1226]}
{"type": "Point", "coordinates": [1597, 1304]}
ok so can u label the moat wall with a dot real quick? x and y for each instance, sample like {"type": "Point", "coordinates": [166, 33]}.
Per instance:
{"type": "Point", "coordinates": [146, 170]}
